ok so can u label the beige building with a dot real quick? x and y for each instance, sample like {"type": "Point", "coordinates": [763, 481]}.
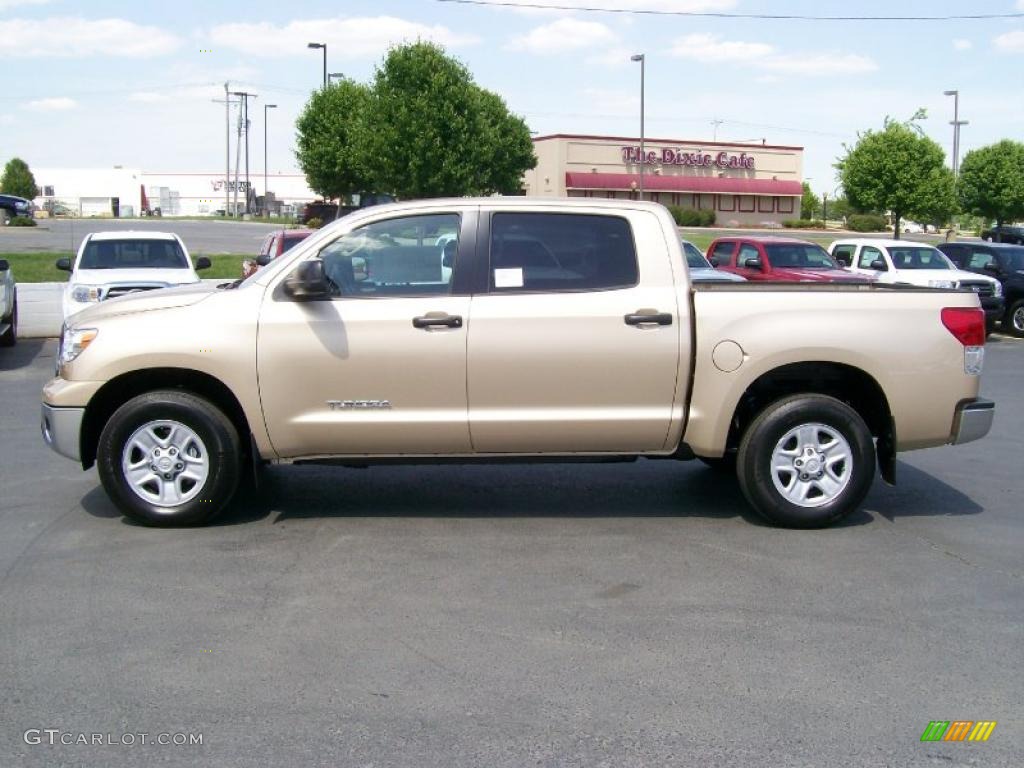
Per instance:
{"type": "Point", "coordinates": [744, 184]}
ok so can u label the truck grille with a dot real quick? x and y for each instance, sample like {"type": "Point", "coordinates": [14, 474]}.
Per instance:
{"type": "Point", "coordinates": [983, 289]}
{"type": "Point", "coordinates": [123, 290]}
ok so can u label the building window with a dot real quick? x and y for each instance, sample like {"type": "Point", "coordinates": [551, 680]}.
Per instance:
{"type": "Point", "coordinates": [746, 203]}
{"type": "Point", "coordinates": [766, 204]}
{"type": "Point", "coordinates": [706, 202]}
{"type": "Point", "coordinates": [729, 200]}
{"type": "Point", "coordinates": [784, 204]}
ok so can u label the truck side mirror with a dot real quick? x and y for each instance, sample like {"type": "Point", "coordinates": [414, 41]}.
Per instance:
{"type": "Point", "coordinates": [752, 263]}
{"type": "Point", "coordinates": [714, 261]}
{"type": "Point", "coordinates": [263, 259]}
{"type": "Point", "coordinates": [203, 263]}
{"type": "Point", "coordinates": [4, 265]}
{"type": "Point", "coordinates": [993, 268]}
{"type": "Point", "coordinates": [879, 265]}
{"type": "Point", "coordinates": [308, 282]}
{"type": "Point", "coordinates": [64, 265]}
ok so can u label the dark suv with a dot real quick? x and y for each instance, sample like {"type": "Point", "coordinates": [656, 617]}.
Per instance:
{"type": "Point", "coordinates": [1005, 263]}
{"type": "Point", "coordinates": [11, 207]}
{"type": "Point", "coordinates": [1004, 234]}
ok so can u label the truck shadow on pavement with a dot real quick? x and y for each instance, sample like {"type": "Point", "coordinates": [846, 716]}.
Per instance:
{"type": "Point", "coordinates": [644, 489]}
{"type": "Point", "coordinates": [22, 354]}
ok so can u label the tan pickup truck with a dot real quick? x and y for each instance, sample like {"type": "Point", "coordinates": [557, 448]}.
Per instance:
{"type": "Point", "coordinates": [512, 328]}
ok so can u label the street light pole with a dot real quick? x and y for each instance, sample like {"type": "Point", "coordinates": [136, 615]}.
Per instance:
{"type": "Point", "coordinates": [643, 151]}
{"type": "Point", "coordinates": [266, 191]}
{"type": "Point", "coordinates": [956, 123]}
{"type": "Point", "coordinates": [324, 47]}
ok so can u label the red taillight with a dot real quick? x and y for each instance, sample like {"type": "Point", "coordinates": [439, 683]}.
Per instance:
{"type": "Point", "coordinates": [967, 324]}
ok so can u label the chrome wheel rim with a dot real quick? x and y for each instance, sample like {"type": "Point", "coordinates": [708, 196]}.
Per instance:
{"type": "Point", "coordinates": [812, 465]}
{"type": "Point", "coordinates": [1018, 319]}
{"type": "Point", "coordinates": [165, 463]}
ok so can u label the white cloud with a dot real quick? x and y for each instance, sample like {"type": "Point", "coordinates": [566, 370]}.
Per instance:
{"type": "Point", "coordinates": [563, 35]}
{"type": "Point", "coordinates": [615, 57]}
{"type": "Point", "coordinates": [820, 64]}
{"type": "Point", "coordinates": [1010, 42]}
{"type": "Point", "coordinates": [677, 6]}
{"type": "Point", "coordinates": [961, 44]}
{"type": "Point", "coordinates": [1020, 5]}
{"type": "Point", "coordinates": [611, 101]}
{"type": "Point", "coordinates": [20, 4]}
{"type": "Point", "coordinates": [346, 38]}
{"type": "Point", "coordinates": [72, 37]}
{"type": "Point", "coordinates": [705, 47]}
{"type": "Point", "coordinates": [55, 104]}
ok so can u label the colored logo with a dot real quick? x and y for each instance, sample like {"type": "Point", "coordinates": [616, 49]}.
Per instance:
{"type": "Point", "coordinates": [958, 730]}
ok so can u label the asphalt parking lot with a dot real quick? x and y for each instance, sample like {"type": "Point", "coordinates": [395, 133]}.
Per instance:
{"type": "Point", "coordinates": [65, 235]}
{"type": "Point", "coordinates": [549, 615]}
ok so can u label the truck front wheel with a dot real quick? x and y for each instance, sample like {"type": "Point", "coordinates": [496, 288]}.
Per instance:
{"type": "Point", "coordinates": [806, 461]}
{"type": "Point", "coordinates": [169, 458]}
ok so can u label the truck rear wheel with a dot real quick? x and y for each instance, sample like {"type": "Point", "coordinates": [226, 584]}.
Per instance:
{"type": "Point", "coordinates": [169, 458]}
{"type": "Point", "coordinates": [806, 461]}
{"type": "Point", "coordinates": [10, 337]}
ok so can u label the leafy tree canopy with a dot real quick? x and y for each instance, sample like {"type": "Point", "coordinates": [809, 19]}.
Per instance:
{"type": "Point", "coordinates": [809, 203]}
{"type": "Point", "coordinates": [992, 181]}
{"type": "Point", "coordinates": [422, 129]}
{"type": "Point", "coordinates": [18, 180]}
{"type": "Point", "coordinates": [899, 170]}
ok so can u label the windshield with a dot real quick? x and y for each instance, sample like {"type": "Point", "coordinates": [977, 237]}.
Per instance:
{"type": "Point", "coordinates": [694, 258]}
{"type": "Point", "coordinates": [133, 254]}
{"type": "Point", "coordinates": [801, 255]}
{"type": "Point", "coordinates": [919, 257]}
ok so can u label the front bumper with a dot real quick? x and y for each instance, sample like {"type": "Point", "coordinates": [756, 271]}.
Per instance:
{"type": "Point", "coordinates": [972, 420]}
{"type": "Point", "coordinates": [62, 428]}
{"type": "Point", "coordinates": [993, 308]}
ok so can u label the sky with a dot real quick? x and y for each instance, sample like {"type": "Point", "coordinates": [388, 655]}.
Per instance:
{"type": "Point", "coordinates": [103, 83]}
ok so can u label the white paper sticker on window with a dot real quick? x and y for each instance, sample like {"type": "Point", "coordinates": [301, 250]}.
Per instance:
{"type": "Point", "coordinates": [508, 278]}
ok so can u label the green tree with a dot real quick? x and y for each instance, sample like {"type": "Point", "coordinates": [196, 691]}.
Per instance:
{"type": "Point", "coordinates": [436, 133]}
{"type": "Point", "coordinates": [897, 169]}
{"type": "Point", "coordinates": [333, 140]}
{"type": "Point", "coordinates": [18, 180]}
{"type": "Point", "coordinates": [809, 203]}
{"type": "Point", "coordinates": [992, 181]}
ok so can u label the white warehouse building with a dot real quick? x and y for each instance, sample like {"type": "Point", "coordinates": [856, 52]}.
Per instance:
{"type": "Point", "coordinates": [121, 192]}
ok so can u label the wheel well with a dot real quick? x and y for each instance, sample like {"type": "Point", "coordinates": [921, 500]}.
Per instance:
{"type": "Point", "coordinates": [123, 388]}
{"type": "Point", "coordinates": [844, 382]}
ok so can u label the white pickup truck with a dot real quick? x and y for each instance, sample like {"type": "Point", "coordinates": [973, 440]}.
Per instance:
{"type": "Point", "coordinates": [541, 329]}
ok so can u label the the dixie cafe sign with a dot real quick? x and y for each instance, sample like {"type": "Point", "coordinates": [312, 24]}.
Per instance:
{"type": "Point", "coordinates": [696, 159]}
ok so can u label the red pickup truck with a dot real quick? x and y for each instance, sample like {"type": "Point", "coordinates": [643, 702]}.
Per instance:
{"type": "Point", "coordinates": [778, 259]}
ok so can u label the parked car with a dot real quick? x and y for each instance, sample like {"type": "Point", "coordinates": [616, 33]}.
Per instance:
{"type": "Point", "coordinates": [778, 259]}
{"type": "Point", "coordinates": [327, 212]}
{"type": "Point", "coordinates": [274, 245]}
{"type": "Point", "coordinates": [1004, 234]}
{"type": "Point", "coordinates": [905, 262]}
{"type": "Point", "coordinates": [113, 264]}
{"type": "Point", "coordinates": [565, 330]}
{"type": "Point", "coordinates": [8, 306]}
{"type": "Point", "coordinates": [701, 269]}
{"type": "Point", "coordinates": [1003, 262]}
{"type": "Point", "coordinates": [12, 206]}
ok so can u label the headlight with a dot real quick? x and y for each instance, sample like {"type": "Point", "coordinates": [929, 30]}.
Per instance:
{"type": "Point", "coordinates": [73, 342]}
{"type": "Point", "coordinates": [21, 206]}
{"type": "Point", "coordinates": [941, 284]}
{"type": "Point", "coordinates": [83, 294]}
{"type": "Point", "coordinates": [997, 290]}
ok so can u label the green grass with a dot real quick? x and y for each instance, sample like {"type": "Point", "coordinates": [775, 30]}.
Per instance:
{"type": "Point", "coordinates": [39, 267]}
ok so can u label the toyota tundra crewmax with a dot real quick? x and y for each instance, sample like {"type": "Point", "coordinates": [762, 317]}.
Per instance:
{"type": "Point", "coordinates": [512, 329]}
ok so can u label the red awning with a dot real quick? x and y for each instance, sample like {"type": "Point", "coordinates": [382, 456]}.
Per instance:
{"type": "Point", "coordinates": [623, 182]}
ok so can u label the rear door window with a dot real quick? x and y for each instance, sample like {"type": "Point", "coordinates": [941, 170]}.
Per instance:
{"type": "Point", "coordinates": [868, 256]}
{"type": "Point", "coordinates": [561, 252]}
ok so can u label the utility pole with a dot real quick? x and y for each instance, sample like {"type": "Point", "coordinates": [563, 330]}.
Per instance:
{"type": "Point", "coordinates": [956, 123]}
{"type": "Point", "coordinates": [227, 147]}
{"type": "Point", "coordinates": [714, 131]}
{"type": "Point", "coordinates": [245, 96]}
{"type": "Point", "coordinates": [642, 58]}
{"type": "Point", "coordinates": [266, 191]}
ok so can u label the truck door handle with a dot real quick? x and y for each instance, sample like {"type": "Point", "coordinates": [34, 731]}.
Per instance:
{"type": "Point", "coordinates": [644, 318]}
{"type": "Point", "coordinates": [432, 319]}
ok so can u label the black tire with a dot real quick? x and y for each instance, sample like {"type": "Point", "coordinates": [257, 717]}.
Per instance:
{"type": "Point", "coordinates": [1013, 321]}
{"type": "Point", "coordinates": [10, 337]}
{"type": "Point", "coordinates": [726, 463]}
{"type": "Point", "coordinates": [765, 435]}
{"type": "Point", "coordinates": [5, 216]}
{"type": "Point", "coordinates": [217, 445]}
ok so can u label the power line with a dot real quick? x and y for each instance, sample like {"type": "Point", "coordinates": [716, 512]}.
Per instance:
{"type": "Point", "coordinates": [726, 15]}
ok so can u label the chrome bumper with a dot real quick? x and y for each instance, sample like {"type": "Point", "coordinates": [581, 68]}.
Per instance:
{"type": "Point", "coordinates": [62, 428]}
{"type": "Point", "coordinates": [973, 420]}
